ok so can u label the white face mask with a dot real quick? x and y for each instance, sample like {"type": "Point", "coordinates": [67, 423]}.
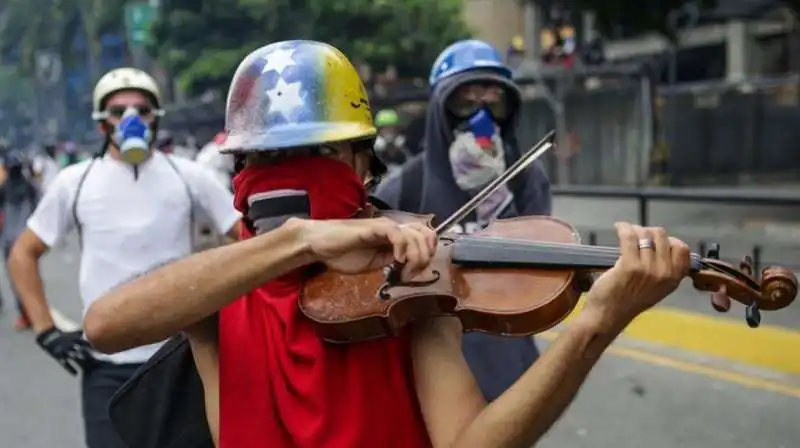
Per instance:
{"type": "Point", "coordinates": [473, 166]}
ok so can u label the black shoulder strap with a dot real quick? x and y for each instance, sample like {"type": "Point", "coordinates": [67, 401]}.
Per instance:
{"type": "Point", "coordinates": [378, 203]}
{"type": "Point", "coordinates": [162, 404]}
{"type": "Point", "coordinates": [191, 198]}
{"type": "Point", "coordinates": [33, 193]}
{"type": "Point", "coordinates": [411, 185]}
{"type": "Point", "coordinates": [78, 226]}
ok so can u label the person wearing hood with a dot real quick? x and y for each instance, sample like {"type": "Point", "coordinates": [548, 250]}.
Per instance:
{"type": "Point", "coordinates": [469, 141]}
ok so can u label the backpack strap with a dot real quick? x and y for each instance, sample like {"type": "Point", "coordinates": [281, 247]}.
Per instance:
{"type": "Point", "coordinates": [411, 185]}
{"type": "Point", "coordinates": [162, 404]}
{"type": "Point", "coordinates": [78, 226]}
{"type": "Point", "coordinates": [378, 203]}
{"type": "Point", "coordinates": [191, 198]}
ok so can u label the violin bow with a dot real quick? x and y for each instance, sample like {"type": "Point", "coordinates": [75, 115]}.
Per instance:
{"type": "Point", "coordinates": [523, 162]}
{"type": "Point", "coordinates": [393, 272]}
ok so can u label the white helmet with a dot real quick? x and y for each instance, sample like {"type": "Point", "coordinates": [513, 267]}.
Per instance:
{"type": "Point", "coordinates": [125, 78]}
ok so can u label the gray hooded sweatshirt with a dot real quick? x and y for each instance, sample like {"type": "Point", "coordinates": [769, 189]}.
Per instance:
{"type": "Point", "coordinates": [496, 361]}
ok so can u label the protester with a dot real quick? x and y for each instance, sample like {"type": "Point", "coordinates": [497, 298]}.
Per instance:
{"type": "Point", "coordinates": [45, 167]}
{"type": "Point", "coordinates": [133, 209]}
{"type": "Point", "coordinates": [70, 155]}
{"type": "Point", "coordinates": [390, 145]}
{"type": "Point", "coordinates": [221, 165]}
{"type": "Point", "coordinates": [299, 115]}
{"type": "Point", "coordinates": [20, 198]}
{"type": "Point", "coordinates": [470, 139]}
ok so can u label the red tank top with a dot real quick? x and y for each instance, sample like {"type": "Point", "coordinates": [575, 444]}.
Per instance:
{"type": "Point", "coordinates": [281, 386]}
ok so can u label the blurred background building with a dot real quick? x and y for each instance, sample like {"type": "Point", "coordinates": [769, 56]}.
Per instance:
{"type": "Point", "coordinates": [665, 92]}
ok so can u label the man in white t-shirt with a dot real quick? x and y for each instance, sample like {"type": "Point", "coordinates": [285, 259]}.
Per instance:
{"type": "Point", "coordinates": [133, 209]}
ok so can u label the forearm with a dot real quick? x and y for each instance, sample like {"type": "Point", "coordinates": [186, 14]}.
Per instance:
{"type": "Point", "coordinates": [232, 235]}
{"type": "Point", "coordinates": [158, 305]}
{"type": "Point", "coordinates": [522, 415]}
{"type": "Point", "coordinates": [203, 341]}
{"type": "Point", "coordinates": [23, 269]}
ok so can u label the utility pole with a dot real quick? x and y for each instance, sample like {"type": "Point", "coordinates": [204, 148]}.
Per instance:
{"type": "Point", "coordinates": [534, 13]}
{"type": "Point", "coordinates": [139, 17]}
{"type": "Point", "coordinates": [533, 32]}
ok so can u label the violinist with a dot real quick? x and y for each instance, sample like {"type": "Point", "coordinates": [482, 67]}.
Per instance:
{"type": "Point", "coordinates": [298, 113]}
{"type": "Point", "coordinates": [470, 140]}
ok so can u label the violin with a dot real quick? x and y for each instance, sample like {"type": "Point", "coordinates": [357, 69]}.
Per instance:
{"type": "Point", "coordinates": [517, 277]}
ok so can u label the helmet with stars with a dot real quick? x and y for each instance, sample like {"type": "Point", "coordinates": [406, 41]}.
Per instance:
{"type": "Point", "coordinates": [292, 94]}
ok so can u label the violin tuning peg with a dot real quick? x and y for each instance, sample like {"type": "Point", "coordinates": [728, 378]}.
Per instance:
{"type": "Point", "coordinates": [746, 265]}
{"type": "Point", "coordinates": [713, 251]}
{"type": "Point", "coordinates": [753, 315]}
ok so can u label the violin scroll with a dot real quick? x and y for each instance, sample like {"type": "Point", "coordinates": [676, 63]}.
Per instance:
{"type": "Point", "coordinates": [776, 288]}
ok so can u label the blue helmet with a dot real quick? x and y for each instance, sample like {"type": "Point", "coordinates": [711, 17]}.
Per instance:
{"type": "Point", "coordinates": [466, 55]}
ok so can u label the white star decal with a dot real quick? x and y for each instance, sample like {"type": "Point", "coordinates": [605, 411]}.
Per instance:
{"type": "Point", "coordinates": [279, 60]}
{"type": "Point", "coordinates": [285, 98]}
{"type": "Point", "coordinates": [444, 66]}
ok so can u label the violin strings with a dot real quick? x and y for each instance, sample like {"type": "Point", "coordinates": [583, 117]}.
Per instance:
{"type": "Point", "coordinates": [563, 248]}
{"type": "Point", "coordinates": [579, 248]}
{"type": "Point", "coordinates": [572, 248]}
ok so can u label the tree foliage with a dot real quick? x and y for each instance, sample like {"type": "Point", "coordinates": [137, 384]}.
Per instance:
{"type": "Point", "coordinates": [15, 89]}
{"type": "Point", "coordinates": [202, 41]}
{"type": "Point", "coordinates": [29, 26]}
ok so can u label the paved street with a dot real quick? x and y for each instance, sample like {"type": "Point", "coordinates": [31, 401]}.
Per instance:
{"type": "Point", "coordinates": [682, 377]}
{"type": "Point", "coordinates": [634, 403]}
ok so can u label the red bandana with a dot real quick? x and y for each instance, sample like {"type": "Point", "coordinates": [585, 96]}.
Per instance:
{"type": "Point", "coordinates": [333, 188]}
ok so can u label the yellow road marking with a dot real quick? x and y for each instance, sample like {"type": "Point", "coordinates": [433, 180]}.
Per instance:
{"type": "Point", "coordinates": [768, 347]}
{"type": "Point", "coordinates": [685, 366]}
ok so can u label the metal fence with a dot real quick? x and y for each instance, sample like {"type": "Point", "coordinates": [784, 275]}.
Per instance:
{"type": "Point", "coordinates": [628, 134]}
{"type": "Point", "coordinates": [616, 129]}
{"type": "Point", "coordinates": [729, 134]}
{"type": "Point", "coordinates": [604, 129]}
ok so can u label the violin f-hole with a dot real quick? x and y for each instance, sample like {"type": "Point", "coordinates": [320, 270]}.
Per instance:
{"type": "Point", "coordinates": [383, 291]}
{"type": "Point", "coordinates": [394, 273]}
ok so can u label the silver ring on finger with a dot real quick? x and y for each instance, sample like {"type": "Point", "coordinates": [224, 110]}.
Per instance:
{"type": "Point", "coordinates": [646, 243]}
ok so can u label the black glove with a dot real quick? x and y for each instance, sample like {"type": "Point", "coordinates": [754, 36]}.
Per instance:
{"type": "Point", "coordinates": [69, 349]}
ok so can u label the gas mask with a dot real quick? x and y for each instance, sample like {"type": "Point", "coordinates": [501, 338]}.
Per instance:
{"type": "Point", "coordinates": [132, 136]}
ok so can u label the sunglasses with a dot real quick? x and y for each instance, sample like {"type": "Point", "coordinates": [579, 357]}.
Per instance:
{"type": "Point", "coordinates": [118, 111]}
{"type": "Point", "coordinates": [467, 101]}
